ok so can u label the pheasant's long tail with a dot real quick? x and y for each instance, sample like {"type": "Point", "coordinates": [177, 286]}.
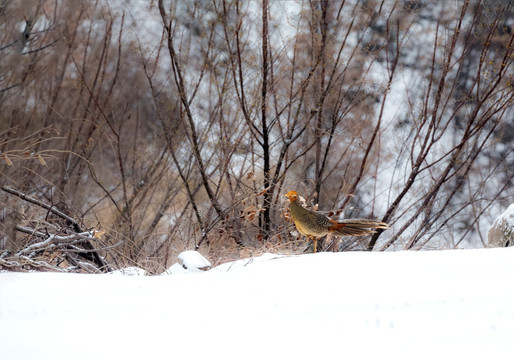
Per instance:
{"type": "Point", "coordinates": [356, 227]}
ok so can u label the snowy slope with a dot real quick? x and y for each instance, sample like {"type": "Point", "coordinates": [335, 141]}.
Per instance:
{"type": "Point", "coordinates": [405, 305]}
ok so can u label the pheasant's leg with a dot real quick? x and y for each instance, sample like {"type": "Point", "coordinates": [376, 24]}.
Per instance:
{"type": "Point", "coordinates": [315, 241]}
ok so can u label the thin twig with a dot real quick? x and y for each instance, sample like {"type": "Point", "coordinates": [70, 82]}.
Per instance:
{"type": "Point", "coordinates": [50, 208]}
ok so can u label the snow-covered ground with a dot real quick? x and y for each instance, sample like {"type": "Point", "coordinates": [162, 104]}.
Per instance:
{"type": "Point", "coordinates": [454, 304]}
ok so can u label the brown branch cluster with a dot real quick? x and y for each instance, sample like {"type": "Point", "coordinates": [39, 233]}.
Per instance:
{"type": "Point", "coordinates": [77, 247]}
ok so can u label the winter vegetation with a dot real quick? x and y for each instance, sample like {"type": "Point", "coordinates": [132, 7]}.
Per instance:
{"type": "Point", "coordinates": [131, 131]}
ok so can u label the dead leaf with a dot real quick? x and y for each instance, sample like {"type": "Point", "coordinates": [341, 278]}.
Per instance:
{"type": "Point", "coordinates": [250, 212]}
{"type": "Point", "coordinates": [264, 191]}
{"type": "Point", "coordinates": [41, 160]}
{"type": "Point", "coordinates": [98, 234]}
{"type": "Point", "coordinates": [7, 160]}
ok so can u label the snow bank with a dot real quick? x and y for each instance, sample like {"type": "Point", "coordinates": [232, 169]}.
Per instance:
{"type": "Point", "coordinates": [129, 271]}
{"type": "Point", "coordinates": [235, 265]}
{"type": "Point", "coordinates": [402, 305]}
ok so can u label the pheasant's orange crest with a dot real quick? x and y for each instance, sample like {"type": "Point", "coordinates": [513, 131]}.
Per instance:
{"type": "Point", "coordinates": [292, 196]}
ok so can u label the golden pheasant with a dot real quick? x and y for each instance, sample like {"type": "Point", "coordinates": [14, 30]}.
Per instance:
{"type": "Point", "coordinates": [315, 225]}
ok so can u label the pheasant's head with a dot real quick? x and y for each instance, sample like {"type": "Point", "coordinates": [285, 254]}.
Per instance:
{"type": "Point", "coordinates": [292, 196]}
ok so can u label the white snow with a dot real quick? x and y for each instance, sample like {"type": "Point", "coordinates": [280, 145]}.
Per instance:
{"type": "Point", "coordinates": [506, 217]}
{"type": "Point", "coordinates": [129, 271]}
{"type": "Point", "coordinates": [453, 304]}
{"type": "Point", "coordinates": [188, 261]}
{"type": "Point", "coordinates": [193, 260]}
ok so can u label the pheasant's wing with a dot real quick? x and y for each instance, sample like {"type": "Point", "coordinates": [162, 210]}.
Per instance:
{"type": "Point", "coordinates": [322, 221]}
{"type": "Point", "coordinates": [309, 222]}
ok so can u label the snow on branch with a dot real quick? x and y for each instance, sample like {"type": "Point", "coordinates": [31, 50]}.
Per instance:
{"type": "Point", "coordinates": [52, 239]}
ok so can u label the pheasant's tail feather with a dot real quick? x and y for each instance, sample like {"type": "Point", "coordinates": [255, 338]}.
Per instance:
{"type": "Point", "coordinates": [356, 227]}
